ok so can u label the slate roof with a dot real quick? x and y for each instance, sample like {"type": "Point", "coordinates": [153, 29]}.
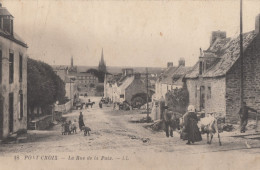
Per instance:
{"type": "Point", "coordinates": [228, 52]}
{"type": "Point", "coordinates": [15, 38]}
{"type": "Point", "coordinates": [4, 12]}
{"type": "Point", "coordinates": [166, 76]}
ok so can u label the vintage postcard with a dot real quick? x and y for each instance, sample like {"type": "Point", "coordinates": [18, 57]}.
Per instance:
{"type": "Point", "coordinates": [128, 84]}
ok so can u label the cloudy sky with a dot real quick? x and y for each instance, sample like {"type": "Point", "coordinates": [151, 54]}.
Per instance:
{"type": "Point", "coordinates": [132, 33]}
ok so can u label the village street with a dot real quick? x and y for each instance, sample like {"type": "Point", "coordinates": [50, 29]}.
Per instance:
{"type": "Point", "coordinates": [115, 137]}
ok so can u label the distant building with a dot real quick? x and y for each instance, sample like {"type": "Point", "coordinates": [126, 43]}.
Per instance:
{"type": "Point", "coordinates": [102, 65]}
{"type": "Point", "coordinates": [71, 89]}
{"type": "Point", "coordinates": [84, 79]}
{"type": "Point", "coordinates": [13, 77]}
{"type": "Point", "coordinates": [214, 84]}
{"type": "Point", "coordinates": [72, 68]}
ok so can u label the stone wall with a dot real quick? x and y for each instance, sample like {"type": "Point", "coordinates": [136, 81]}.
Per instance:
{"type": "Point", "coordinates": [251, 84]}
{"type": "Point", "coordinates": [137, 86]}
{"type": "Point", "coordinates": [6, 47]}
{"type": "Point", "coordinates": [214, 94]}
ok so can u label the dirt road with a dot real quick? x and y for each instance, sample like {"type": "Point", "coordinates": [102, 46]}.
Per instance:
{"type": "Point", "coordinates": [114, 137]}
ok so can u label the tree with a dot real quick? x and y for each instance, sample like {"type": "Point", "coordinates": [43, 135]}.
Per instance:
{"type": "Point", "coordinates": [178, 99]}
{"type": "Point", "coordinates": [44, 87]}
{"type": "Point", "coordinates": [99, 74]}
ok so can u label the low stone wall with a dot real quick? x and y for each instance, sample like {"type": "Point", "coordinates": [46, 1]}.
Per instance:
{"type": "Point", "coordinates": [63, 107]}
{"type": "Point", "coordinates": [41, 123]}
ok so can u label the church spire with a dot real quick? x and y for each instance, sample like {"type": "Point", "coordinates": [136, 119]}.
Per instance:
{"type": "Point", "coordinates": [102, 64]}
{"type": "Point", "coordinates": [102, 57]}
{"type": "Point", "coordinates": [71, 61]}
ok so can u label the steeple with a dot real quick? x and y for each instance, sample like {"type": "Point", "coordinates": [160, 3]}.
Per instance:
{"type": "Point", "coordinates": [102, 58]}
{"type": "Point", "coordinates": [102, 64]}
{"type": "Point", "coordinates": [71, 61]}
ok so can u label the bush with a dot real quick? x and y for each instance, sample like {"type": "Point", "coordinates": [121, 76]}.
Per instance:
{"type": "Point", "coordinates": [178, 99]}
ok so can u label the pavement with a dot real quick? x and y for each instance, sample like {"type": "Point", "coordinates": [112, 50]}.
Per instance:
{"type": "Point", "coordinates": [114, 136]}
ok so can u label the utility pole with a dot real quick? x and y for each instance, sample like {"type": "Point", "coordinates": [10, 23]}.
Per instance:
{"type": "Point", "coordinates": [147, 98]}
{"type": "Point", "coordinates": [70, 95]}
{"type": "Point", "coordinates": [241, 53]}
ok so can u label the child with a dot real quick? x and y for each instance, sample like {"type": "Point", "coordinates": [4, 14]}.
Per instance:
{"type": "Point", "coordinates": [74, 126]}
{"type": "Point", "coordinates": [63, 131]}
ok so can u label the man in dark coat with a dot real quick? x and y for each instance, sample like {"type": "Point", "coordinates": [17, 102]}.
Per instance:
{"type": "Point", "coordinates": [243, 114]}
{"type": "Point", "coordinates": [81, 121]}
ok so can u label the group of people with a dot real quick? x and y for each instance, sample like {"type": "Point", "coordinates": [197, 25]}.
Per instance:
{"type": "Point", "coordinates": [69, 127]}
{"type": "Point", "coordinates": [190, 130]}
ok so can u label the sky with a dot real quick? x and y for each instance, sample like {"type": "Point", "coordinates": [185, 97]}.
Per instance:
{"type": "Point", "coordinates": [131, 33]}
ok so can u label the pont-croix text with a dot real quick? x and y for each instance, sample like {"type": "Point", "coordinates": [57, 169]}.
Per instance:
{"type": "Point", "coordinates": [69, 158]}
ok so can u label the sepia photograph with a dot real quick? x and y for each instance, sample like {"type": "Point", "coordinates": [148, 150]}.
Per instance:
{"type": "Point", "coordinates": [130, 84]}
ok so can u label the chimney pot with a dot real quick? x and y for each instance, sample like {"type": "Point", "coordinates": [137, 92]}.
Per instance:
{"type": "Point", "coordinates": [169, 64]}
{"type": "Point", "coordinates": [182, 62]}
{"type": "Point", "coordinates": [217, 34]}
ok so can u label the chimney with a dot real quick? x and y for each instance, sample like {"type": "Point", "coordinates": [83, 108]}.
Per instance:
{"type": "Point", "coordinates": [257, 24]}
{"type": "Point", "coordinates": [169, 64]}
{"type": "Point", "coordinates": [216, 35]}
{"type": "Point", "coordinates": [128, 71]}
{"type": "Point", "coordinates": [182, 62]}
{"type": "Point", "coordinates": [137, 75]}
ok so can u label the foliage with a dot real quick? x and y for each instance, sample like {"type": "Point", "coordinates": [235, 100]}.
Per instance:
{"type": "Point", "coordinates": [44, 86]}
{"type": "Point", "coordinates": [178, 99]}
{"type": "Point", "coordinates": [99, 74]}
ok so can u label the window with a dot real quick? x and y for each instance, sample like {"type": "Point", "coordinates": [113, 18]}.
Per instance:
{"type": "Point", "coordinates": [21, 104]}
{"type": "Point", "coordinates": [196, 91]}
{"type": "Point", "coordinates": [20, 68]}
{"type": "Point", "coordinates": [11, 68]}
{"type": "Point", "coordinates": [209, 93]}
{"type": "Point", "coordinates": [200, 67]}
{"type": "Point", "coordinates": [1, 60]}
{"type": "Point", "coordinates": [122, 96]}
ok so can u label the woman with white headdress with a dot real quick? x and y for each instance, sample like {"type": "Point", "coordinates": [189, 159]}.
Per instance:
{"type": "Point", "coordinates": [190, 125]}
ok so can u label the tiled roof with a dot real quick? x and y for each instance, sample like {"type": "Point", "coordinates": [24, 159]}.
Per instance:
{"type": "Point", "coordinates": [228, 51]}
{"type": "Point", "coordinates": [4, 12]}
{"type": "Point", "coordinates": [166, 76]}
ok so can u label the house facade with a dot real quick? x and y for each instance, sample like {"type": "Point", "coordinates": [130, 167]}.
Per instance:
{"type": "Point", "coordinates": [214, 84]}
{"type": "Point", "coordinates": [13, 77]}
{"type": "Point", "coordinates": [170, 79]}
{"type": "Point", "coordinates": [124, 87]}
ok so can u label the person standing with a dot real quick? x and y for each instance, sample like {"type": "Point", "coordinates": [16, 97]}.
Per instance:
{"type": "Point", "coordinates": [81, 121]}
{"type": "Point", "coordinates": [243, 114]}
{"type": "Point", "coordinates": [191, 127]}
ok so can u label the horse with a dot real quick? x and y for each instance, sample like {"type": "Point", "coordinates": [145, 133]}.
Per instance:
{"type": "Point", "coordinates": [209, 125]}
{"type": "Point", "coordinates": [90, 104]}
{"type": "Point", "coordinates": [171, 122]}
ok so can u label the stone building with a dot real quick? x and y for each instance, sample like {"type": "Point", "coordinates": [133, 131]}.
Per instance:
{"type": "Point", "coordinates": [170, 79]}
{"type": "Point", "coordinates": [13, 77]}
{"type": "Point", "coordinates": [214, 84]}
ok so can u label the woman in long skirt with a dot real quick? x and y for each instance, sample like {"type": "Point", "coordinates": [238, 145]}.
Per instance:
{"type": "Point", "coordinates": [191, 127]}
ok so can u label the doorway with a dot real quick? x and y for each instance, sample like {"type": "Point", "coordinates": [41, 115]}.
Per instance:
{"type": "Point", "coordinates": [202, 98]}
{"type": "Point", "coordinates": [11, 112]}
{"type": "Point", "coordinates": [1, 115]}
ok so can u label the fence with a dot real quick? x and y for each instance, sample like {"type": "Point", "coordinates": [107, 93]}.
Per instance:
{"type": "Point", "coordinates": [63, 107]}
